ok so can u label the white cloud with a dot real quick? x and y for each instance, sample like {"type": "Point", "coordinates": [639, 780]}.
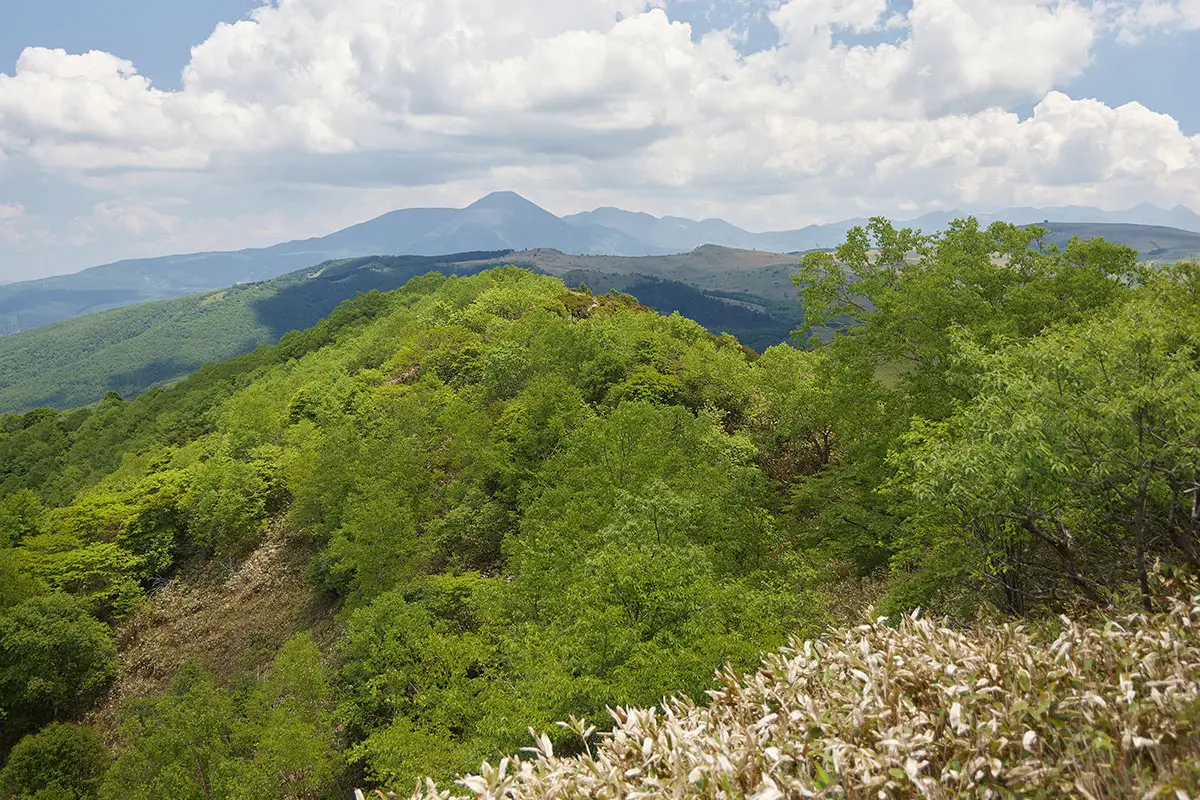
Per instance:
{"type": "Point", "coordinates": [136, 220]}
{"type": "Point", "coordinates": [601, 101]}
{"type": "Point", "coordinates": [10, 214]}
{"type": "Point", "coordinates": [1134, 20]}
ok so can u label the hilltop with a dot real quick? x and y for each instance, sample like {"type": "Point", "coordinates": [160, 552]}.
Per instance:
{"type": "Point", "coordinates": [747, 293]}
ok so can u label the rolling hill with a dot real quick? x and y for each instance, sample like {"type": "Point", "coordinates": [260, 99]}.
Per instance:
{"type": "Point", "coordinates": [1153, 242]}
{"type": "Point", "coordinates": [127, 350]}
{"type": "Point", "coordinates": [499, 221]}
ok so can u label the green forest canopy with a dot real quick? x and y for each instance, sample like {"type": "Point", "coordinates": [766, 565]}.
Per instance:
{"type": "Point", "coordinates": [131, 349]}
{"type": "Point", "coordinates": [525, 502]}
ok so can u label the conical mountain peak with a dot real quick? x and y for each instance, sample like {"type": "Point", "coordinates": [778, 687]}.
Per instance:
{"type": "Point", "coordinates": [506, 201]}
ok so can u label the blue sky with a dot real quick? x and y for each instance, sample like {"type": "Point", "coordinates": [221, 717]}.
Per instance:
{"type": "Point", "coordinates": [313, 114]}
{"type": "Point", "coordinates": [155, 35]}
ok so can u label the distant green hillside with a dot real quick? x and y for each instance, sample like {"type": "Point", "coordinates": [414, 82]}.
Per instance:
{"type": "Point", "coordinates": [1153, 242]}
{"type": "Point", "coordinates": [758, 322]}
{"type": "Point", "coordinates": [128, 350]}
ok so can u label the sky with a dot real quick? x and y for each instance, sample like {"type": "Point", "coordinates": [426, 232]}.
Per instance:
{"type": "Point", "coordinates": [136, 128]}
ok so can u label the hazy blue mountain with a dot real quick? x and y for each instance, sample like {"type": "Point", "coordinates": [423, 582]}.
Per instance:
{"type": "Point", "coordinates": [502, 220]}
{"type": "Point", "coordinates": [678, 234]}
{"type": "Point", "coordinates": [671, 234]}
{"type": "Point", "coordinates": [499, 221]}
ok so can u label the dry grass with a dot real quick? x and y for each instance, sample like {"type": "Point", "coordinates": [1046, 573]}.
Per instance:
{"type": "Point", "coordinates": [231, 618]}
{"type": "Point", "coordinates": [1107, 707]}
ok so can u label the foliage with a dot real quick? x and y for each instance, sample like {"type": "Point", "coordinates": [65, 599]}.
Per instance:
{"type": "Point", "coordinates": [1074, 461]}
{"type": "Point", "coordinates": [176, 746]}
{"type": "Point", "coordinates": [104, 575]}
{"type": "Point", "coordinates": [200, 741]}
{"type": "Point", "coordinates": [927, 313]}
{"type": "Point", "coordinates": [130, 349]}
{"type": "Point", "coordinates": [1107, 708]}
{"type": "Point", "coordinates": [61, 760]}
{"type": "Point", "coordinates": [288, 729]}
{"type": "Point", "coordinates": [519, 502]}
{"type": "Point", "coordinates": [54, 661]}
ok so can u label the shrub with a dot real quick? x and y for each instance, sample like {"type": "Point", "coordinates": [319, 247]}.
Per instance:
{"type": "Point", "coordinates": [62, 759]}
{"type": "Point", "coordinates": [54, 660]}
{"type": "Point", "coordinates": [1106, 709]}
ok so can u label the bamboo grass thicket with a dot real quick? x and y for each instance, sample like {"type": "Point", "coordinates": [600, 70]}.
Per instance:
{"type": "Point", "coordinates": [1107, 706]}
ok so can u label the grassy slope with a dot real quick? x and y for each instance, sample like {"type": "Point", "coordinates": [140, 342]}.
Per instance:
{"type": "Point", "coordinates": [230, 620]}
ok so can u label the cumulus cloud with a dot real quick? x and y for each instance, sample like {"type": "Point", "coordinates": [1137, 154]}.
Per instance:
{"type": "Point", "coordinates": [136, 220]}
{"type": "Point", "coordinates": [856, 107]}
{"type": "Point", "coordinates": [1135, 20]}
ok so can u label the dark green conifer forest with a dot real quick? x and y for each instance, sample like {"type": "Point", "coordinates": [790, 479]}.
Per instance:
{"type": "Point", "coordinates": [511, 503]}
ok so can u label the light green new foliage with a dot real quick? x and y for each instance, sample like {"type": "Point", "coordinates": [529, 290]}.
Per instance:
{"type": "Point", "coordinates": [177, 746]}
{"type": "Point", "coordinates": [913, 305]}
{"type": "Point", "coordinates": [287, 731]}
{"type": "Point", "coordinates": [652, 520]}
{"type": "Point", "coordinates": [102, 573]}
{"type": "Point", "coordinates": [199, 741]}
{"type": "Point", "coordinates": [63, 760]}
{"type": "Point", "coordinates": [1105, 706]}
{"type": "Point", "coordinates": [226, 502]}
{"type": "Point", "coordinates": [21, 514]}
{"type": "Point", "coordinates": [520, 503]}
{"type": "Point", "coordinates": [1074, 462]}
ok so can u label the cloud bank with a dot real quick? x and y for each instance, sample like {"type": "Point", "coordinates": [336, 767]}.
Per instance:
{"type": "Point", "coordinates": [359, 105]}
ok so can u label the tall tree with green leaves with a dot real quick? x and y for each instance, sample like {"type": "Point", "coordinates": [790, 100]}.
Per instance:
{"type": "Point", "coordinates": [55, 660]}
{"type": "Point", "coordinates": [1076, 462]}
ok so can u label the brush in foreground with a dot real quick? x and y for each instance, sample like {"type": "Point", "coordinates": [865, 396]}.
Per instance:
{"type": "Point", "coordinates": [1109, 708]}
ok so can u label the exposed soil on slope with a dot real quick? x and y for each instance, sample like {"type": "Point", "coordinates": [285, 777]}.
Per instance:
{"type": "Point", "coordinates": [230, 618]}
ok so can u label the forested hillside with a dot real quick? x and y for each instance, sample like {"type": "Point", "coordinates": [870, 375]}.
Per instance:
{"type": "Point", "coordinates": [128, 350]}
{"type": "Point", "coordinates": [388, 546]}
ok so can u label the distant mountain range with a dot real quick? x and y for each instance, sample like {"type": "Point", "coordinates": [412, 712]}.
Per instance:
{"type": "Point", "coordinates": [677, 234]}
{"type": "Point", "coordinates": [499, 221]}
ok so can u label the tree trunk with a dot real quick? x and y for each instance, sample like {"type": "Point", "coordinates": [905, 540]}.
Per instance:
{"type": "Point", "coordinates": [1139, 540]}
{"type": "Point", "coordinates": [1139, 522]}
{"type": "Point", "coordinates": [1181, 532]}
{"type": "Point", "coordinates": [1186, 538]}
{"type": "Point", "coordinates": [1062, 547]}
